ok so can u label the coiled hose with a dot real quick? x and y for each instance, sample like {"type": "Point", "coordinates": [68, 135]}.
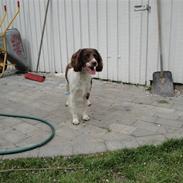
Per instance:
{"type": "Point", "coordinates": [30, 147]}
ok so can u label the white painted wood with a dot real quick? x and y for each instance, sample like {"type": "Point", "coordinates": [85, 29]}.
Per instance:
{"type": "Point", "coordinates": [76, 25]}
{"type": "Point", "coordinates": [56, 39]}
{"type": "Point", "coordinates": [102, 36]}
{"type": "Point", "coordinates": [138, 43]}
{"type": "Point", "coordinates": [69, 27]}
{"type": "Point", "coordinates": [152, 47]}
{"type": "Point", "coordinates": [143, 45]}
{"type": "Point", "coordinates": [172, 28]}
{"type": "Point", "coordinates": [127, 40]}
{"type": "Point", "coordinates": [112, 39]}
{"type": "Point", "coordinates": [63, 34]}
{"type": "Point", "coordinates": [165, 16]}
{"type": "Point", "coordinates": [173, 47]}
{"type": "Point", "coordinates": [135, 31]}
{"type": "Point", "coordinates": [93, 19]}
{"type": "Point", "coordinates": [123, 41]}
{"type": "Point", "coordinates": [84, 24]}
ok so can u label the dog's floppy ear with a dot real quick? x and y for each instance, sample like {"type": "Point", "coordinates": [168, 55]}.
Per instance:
{"type": "Point", "coordinates": [100, 62]}
{"type": "Point", "coordinates": [76, 61]}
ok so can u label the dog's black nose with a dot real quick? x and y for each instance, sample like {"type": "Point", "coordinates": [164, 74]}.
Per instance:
{"type": "Point", "coordinates": [94, 64]}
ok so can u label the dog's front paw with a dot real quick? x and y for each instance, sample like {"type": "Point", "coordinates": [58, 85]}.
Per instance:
{"type": "Point", "coordinates": [75, 121]}
{"type": "Point", "coordinates": [88, 103]}
{"type": "Point", "coordinates": [67, 104]}
{"type": "Point", "coordinates": [86, 117]}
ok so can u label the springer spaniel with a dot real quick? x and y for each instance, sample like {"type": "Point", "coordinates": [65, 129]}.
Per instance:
{"type": "Point", "coordinates": [84, 63]}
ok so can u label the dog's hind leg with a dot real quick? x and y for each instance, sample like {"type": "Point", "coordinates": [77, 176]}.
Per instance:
{"type": "Point", "coordinates": [88, 103]}
{"type": "Point", "coordinates": [67, 103]}
{"type": "Point", "coordinates": [67, 93]}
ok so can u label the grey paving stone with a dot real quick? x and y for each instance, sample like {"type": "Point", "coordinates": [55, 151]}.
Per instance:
{"type": "Point", "coordinates": [62, 149]}
{"type": "Point", "coordinates": [176, 134]}
{"type": "Point", "coordinates": [152, 128]}
{"type": "Point", "coordinates": [146, 99]}
{"type": "Point", "coordinates": [120, 128]}
{"type": "Point", "coordinates": [163, 103]}
{"type": "Point", "coordinates": [128, 142]}
{"type": "Point", "coordinates": [24, 128]}
{"type": "Point", "coordinates": [169, 122]}
{"type": "Point", "coordinates": [33, 153]}
{"type": "Point", "coordinates": [4, 143]}
{"type": "Point", "coordinates": [167, 115]}
{"type": "Point", "coordinates": [57, 147]}
{"type": "Point", "coordinates": [87, 145]}
{"type": "Point", "coordinates": [142, 132]}
{"type": "Point", "coordinates": [12, 136]}
{"type": "Point", "coordinates": [93, 131]}
{"type": "Point", "coordinates": [122, 116]}
{"type": "Point", "coordinates": [9, 123]}
{"type": "Point", "coordinates": [154, 139]}
{"type": "Point", "coordinates": [114, 136]}
{"type": "Point", "coordinates": [147, 118]}
{"type": "Point", "coordinates": [67, 133]}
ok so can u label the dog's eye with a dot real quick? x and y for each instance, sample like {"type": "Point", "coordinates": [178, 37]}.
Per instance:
{"type": "Point", "coordinates": [87, 55]}
{"type": "Point", "coordinates": [95, 56]}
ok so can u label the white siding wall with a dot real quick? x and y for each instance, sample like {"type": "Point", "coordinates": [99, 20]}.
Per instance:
{"type": "Point", "coordinates": [111, 26]}
{"type": "Point", "coordinates": [172, 38]}
{"type": "Point", "coordinates": [172, 25]}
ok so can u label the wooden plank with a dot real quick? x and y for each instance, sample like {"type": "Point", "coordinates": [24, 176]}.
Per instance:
{"type": "Point", "coordinates": [112, 39]}
{"type": "Point", "coordinates": [56, 37]}
{"type": "Point", "coordinates": [176, 41]}
{"type": "Point", "coordinates": [38, 9]}
{"type": "Point", "coordinates": [92, 18]}
{"type": "Point", "coordinates": [135, 31]}
{"type": "Point", "coordinates": [69, 27]}
{"type": "Point", "coordinates": [144, 42]}
{"type": "Point", "coordinates": [63, 34]}
{"type": "Point", "coordinates": [123, 41]}
{"type": "Point", "coordinates": [153, 48]}
{"type": "Point", "coordinates": [76, 24]}
{"type": "Point", "coordinates": [84, 24]}
{"type": "Point", "coordinates": [102, 35]}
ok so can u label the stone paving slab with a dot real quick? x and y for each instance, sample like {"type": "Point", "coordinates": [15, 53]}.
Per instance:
{"type": "Point", "coordinates": [122, 116]}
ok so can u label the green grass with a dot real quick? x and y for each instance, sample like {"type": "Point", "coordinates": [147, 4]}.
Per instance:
{"type": "Point", "coordinates": [147, 164]}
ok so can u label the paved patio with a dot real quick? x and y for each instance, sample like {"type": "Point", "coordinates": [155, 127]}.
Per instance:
{"type": "Point", "coordinates": [121, 116]}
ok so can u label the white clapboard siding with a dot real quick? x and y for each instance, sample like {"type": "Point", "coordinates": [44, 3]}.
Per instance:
{"type": "Point", "coordinates": [102, 35]}
{"type": "Point", "coordinates": [123, 41]}
{"type": "Point", "coordinates": [126, 39]}
{"type": "Point", "coordinates": [153, 48]}
{"type": "Point", "coordinates": [172, 39]}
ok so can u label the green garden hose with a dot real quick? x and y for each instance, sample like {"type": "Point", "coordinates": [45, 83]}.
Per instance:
{"type": "Point", "coordinates": [30, 147]}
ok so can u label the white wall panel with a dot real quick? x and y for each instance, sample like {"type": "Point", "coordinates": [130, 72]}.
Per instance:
{"type": "Point", "coordinates": [127, 40]}
{"type": "Point", "coordinates": [123, 41]}
{"type": "Point", "coordinates": [76, 24]}
{"type": "Point", "coordinates": [112, 38]}
{"type": "Point", "coordinates": [102, 35]}
{"type": "Point", "coordinates": [56, 39]}
{"type": "Point", "coordinates": [172, 39]}
{"type": "Point", "coordinates": [62, 35]}
{"type": "Point", "coordinates": [152, 47]}
{"type": "Point", "coordinates": [93, 19]}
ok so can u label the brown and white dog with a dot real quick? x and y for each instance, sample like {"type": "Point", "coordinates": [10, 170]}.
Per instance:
{"type": "Point", "coordinates": [84, 63]}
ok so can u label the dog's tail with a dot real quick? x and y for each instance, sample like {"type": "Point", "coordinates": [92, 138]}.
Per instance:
{"type": "Point", "coordinates": [67, 89]}
{"type": "Point", "coordinates": [66, 73]}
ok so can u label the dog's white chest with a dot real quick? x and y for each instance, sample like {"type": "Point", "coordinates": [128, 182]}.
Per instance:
{"type": "Point", "coordinates": [79, 83]}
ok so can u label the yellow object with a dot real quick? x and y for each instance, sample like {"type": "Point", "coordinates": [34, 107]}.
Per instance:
{"type": "Point", "coordinates": [3, 49]}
